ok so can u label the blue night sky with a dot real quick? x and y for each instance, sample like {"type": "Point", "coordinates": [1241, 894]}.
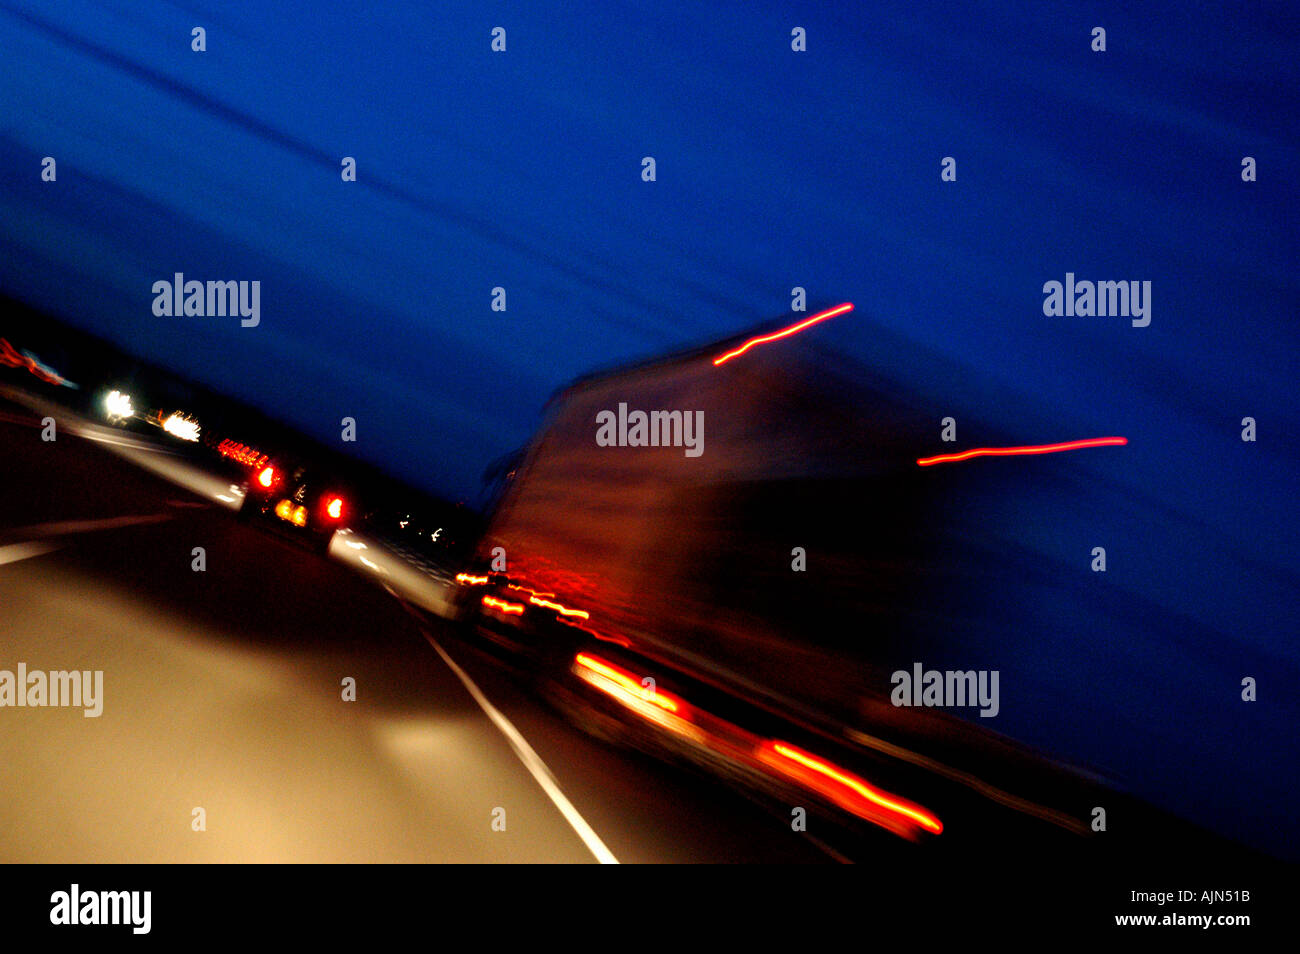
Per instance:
{"type": "Point", "coordinates": [775, 169]}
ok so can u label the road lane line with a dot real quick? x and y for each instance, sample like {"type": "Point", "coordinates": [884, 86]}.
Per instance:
{"type": "Point", "coordinates": [62, 528]}
{"type": "Point", "coordinates": [21, 551]}
{"type": "Point", "coordinates": [532, 761]}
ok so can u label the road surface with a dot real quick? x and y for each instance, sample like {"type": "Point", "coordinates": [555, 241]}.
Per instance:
{"type": "Point", "coordinates": [223, 691]}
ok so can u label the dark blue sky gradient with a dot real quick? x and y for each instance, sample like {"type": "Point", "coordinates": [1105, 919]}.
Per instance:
{"type": "Point", "coordinates": [775, 169]}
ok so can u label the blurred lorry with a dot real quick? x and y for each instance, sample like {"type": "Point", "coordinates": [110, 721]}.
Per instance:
{"type": "Point", "coordinates": [760, 559]}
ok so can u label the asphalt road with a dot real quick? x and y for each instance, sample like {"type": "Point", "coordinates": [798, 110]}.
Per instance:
{"type": "Point", "coordinates": [223, 691]}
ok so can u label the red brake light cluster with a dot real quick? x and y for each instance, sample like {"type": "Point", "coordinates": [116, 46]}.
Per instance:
{"type": "Point", "coordinates": [248, 456]}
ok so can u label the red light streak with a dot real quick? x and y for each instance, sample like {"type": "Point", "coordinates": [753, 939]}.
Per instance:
{"type": "Point", "coordinates": [603, 637]}
{"type": "Point", "coordinates": [242, 453]}
{"type": "Point", "coordinates": [785, 333]}
{"type": "Point", "coordinates": [845, 789]}
{"type": "Point", "coordinates": [914, 812]}
{"type": "Point", "coordinates": [527, 589]}
{"type": "Point", "coordinates": [9, 356]}
{"type": "Point", "coordinates": [1015, 451]}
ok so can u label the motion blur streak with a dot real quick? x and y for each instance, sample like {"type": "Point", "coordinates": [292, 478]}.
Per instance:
{"type": "Point", "coordinates": [627, 681]}
{"type": "Point", "coordinates": [835, 782]}
{"type": "Point", "coordinates": [844, 789]}
{"type": "Point", "coordinates": [23, 551]}
{"type": "Point", "coordinates": [603, 637]}
{"type": "Point", "coordinates": [658, 707]}
{"type": "Point", "coordinates": [471, 580]}
{"type": "Point", "coordinates": [14, 359]}
{"type": "Point", "coordinates": [785, 333]}
{"type": "Point", "coordinates": [527, 589]}
{"type": "Point", "coordinates": [562, 610]}
{"type": "Point", "coordinates": [502, 605]}
{"type": "Point", "coordinates": [178, 425]}
{"type": "Point", "coordinates": [1031, 449]}
{"type": "Point", "coordinates": [1058, 818]}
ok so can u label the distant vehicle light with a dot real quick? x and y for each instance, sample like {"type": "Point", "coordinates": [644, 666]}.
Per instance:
{"type": "Point", "coordinates": [284, 510]}
{"type": "Point", "coordinates": [267, 477]}
{"type": "Point", "coordinates": [178, 425]}
{"type": "Point", "coordinates": [117, 406]}
{"type": "Point", "coordinates": [300, 516]}
{"type": "Point", "coordinates": [334, 507]}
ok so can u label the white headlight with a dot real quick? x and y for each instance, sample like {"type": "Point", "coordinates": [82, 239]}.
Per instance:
{"type": "Point", "coordinates": [118, 405]}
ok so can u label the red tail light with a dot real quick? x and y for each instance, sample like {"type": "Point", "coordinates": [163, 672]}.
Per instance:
{"type": "Point", "coordinates": [334, 507]}
{"type": "Point", "coordinates": [267, 477]}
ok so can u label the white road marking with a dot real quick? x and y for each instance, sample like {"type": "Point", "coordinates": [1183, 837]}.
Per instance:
{"type": "Point", "coordinates": [62, 528]}
{"type": "Point", "coordinates": [21, 551]}
{"type": "Point", "coordinates": [532, 761]}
